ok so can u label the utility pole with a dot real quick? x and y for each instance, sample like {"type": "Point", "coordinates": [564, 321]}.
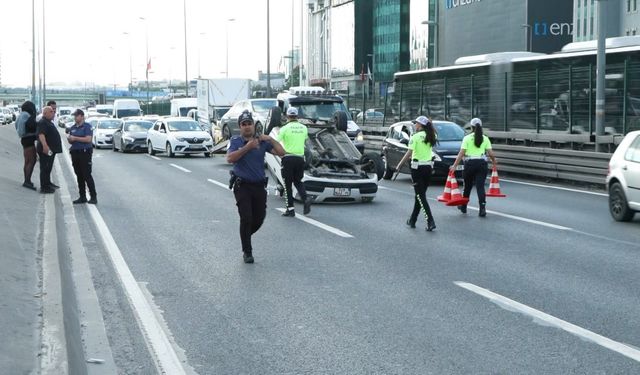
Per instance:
{"type": "Point", "coordinates": [601, 72]}
{"type": "Point", "coordinates": [268, 55]}
{"type": "Point", "coordinates": [293, 60]}
{"type": "Point", "coordinates": [44, 58]}
{"type": "Point", "coordinates": [33, 51]}
{"type": "Point", "coordinates": [186, 73]}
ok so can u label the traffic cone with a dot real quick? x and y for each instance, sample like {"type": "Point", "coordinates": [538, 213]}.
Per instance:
{"type": "Point", "coordinates": [456, 198]}
{"type": "Point", "coordinates": [446, 196]}
{"type": "Point", "coordinates": [494, 186]}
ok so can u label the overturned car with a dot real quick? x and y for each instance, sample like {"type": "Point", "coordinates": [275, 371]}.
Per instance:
{"type": "Point", "coordinates": [335, 170]}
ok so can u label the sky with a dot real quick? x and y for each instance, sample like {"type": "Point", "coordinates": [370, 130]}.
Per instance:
{"type": "Point", "coordinates": [85, 40]}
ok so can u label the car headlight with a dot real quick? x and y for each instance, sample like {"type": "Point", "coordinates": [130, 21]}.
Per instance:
{"type": "Point", "coordinates": [360, 137]}
{"type": "Point", "coordinates": [128, 139]}
{"type": "Point", "coordinates": [436, 157]}
{"type": "Point", "coordinates": [208, 139]}
{"type": "Point", "coordinates": [180, 139]}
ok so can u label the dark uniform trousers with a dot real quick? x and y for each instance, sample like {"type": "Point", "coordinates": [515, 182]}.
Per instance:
{"type": "Point", "coordinates": [292, 173]}
{"type": "Point", "coordinates": [421, 178]}
{"type": "Point", "coordinates": [475, 174]}
{"type": "Point", "coordinates": [81, 160]}
{"type": "Point", "coordinates": [46, 166]}
{"type": "Point", "coordinates": [251, 199]}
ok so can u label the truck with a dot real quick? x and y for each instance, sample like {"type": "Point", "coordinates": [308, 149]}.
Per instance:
{"type": "Point", "coordinates": [216, 96]}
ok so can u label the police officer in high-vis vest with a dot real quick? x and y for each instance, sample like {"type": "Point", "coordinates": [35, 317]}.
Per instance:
{"type": "Point", "coordinates": [246, 153]}
{"type": "Point", "coordinates": [475, 148]}
{"type": "Point", "coordinates": [293, 137]}
{"type": "Point", "coordinates": [421, 157]}
{"type": "Point", "coordinates": [80, 137]}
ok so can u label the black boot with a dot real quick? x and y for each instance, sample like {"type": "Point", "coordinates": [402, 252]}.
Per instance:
{"type": "Point", "coordinates": [431, 225]}
{"type": "Point", "coordinates": [93, 200]}
{"type": "Point", "coordinates": [411, 223]}
{"type": "Point", "coordinates": [307, 206]}
{"type": "Point", "coordinates": [463, 209]}
{"type": "Point", "coordinates": [289, 213]}
{"type": "Point", "coordinates": [247, 257]}
{"type": "Point", "coordinates": [80, 200]}
{"type": "Point", "coordinates": [483, 210]}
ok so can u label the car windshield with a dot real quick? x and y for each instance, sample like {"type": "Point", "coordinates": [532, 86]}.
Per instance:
{"type": "Point", "coordinates": [263, 106]}
{"type": "Point", "coordinates": [185, 110]}
{"type": "Point", "coordinates": [106, 111]}
{"type": "Point", "coordinates": [138, 126]}
{"type": "Point", "coordinates": [183, 126]}
{"type": "Point", "coordinates": [65, 112]}
{"type": "Point", "coordinates": [221, 112]}
{"type": "Point", "coordinates": [449, 132]}
{"type": "Point", "coordinates": [128, 112]}
{"type": "Point", "coordinates": [320, 111]}
{"type": "Point", "coordinates": [109, 124]}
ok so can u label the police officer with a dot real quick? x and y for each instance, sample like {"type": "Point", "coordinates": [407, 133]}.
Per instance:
{"type": "Point", "coordinates": [475, 148]}
{"type": "Point", "coordinates": [293, 137]}
{"type": "Point", "coordinates": [80, 136]}
{"type": "Point", "coordinates": [421, 157]}
{"type": "Point", "coordinates": [246, 153]}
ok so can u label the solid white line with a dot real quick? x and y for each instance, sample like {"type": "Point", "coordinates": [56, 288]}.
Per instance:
{"type": "Point", "coordinates": [219, 184]}
{"type": "Point", "coordinates": [166, 358]}
{"type": "Point", "coordinates": [511, 305]}
{"type": "Point", "coordinates": [320, 225]}
{"type": "Point", "coordinates": [554, 187]}
{"type": "Point", "coordinates": [153, 157]}
{"type": "Point", "coordinates": [185, 170]}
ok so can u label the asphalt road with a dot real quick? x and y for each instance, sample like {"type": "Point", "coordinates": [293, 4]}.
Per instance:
{"type": "Point", "coordinates": [384, 300]}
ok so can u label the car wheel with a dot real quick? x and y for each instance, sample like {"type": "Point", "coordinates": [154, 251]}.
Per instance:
{"type": "Point", "coordinates": [169, 151]}
{"type": "Point", "coordinates": [618, 205]}
{"type": "Point", "coordinates": [150, 149]}
{"type": "Point", "coordinates": [226, 133]}
{"type": "Point", "coordinates": [207, 154]}
{"type": "Point", "coordinates": [341, 120]}
{"type": "Point", "coordinates": [113, 147]}
{"type": "Point", "coordinates": [372, 163]}
{"type": "Point", "coordinates": [388, 172]}
{"type": "Point", "coordinates": [259, 128]}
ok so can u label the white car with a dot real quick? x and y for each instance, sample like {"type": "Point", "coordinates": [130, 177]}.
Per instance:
{"type": "Point", "coordinates": [623, 180]}
{"type": "Point", "coordinates": [178, 135]}
{"type": "Point", "coordinates": [8, 115]}
{"type": "Point", "coordinates": [103, 131]}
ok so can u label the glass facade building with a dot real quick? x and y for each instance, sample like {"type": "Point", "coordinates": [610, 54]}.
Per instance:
{"type": "Point", "coordinates": [391, 35]}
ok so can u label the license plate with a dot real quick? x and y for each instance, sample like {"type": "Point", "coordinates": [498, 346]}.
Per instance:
{"type": "Point", "coordinates": [342, 192]}
{"type": "Point", "coordinates": [460, 167]}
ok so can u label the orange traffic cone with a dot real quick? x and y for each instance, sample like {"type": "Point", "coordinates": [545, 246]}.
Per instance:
{"type": "Point", "coordinates": [446, 196]}
{"type": "Point", "coordinates": [494, 186]}
{"type": "Point", "coordinates": [456, 198]}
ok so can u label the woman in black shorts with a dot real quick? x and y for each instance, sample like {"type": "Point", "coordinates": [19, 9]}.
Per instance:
{"type": "Point", "coordinates": [26, 127]}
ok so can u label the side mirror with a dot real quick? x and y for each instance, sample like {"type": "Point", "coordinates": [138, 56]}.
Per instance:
{"type": "Point", "coordinates": [163, 131]}
{"type": "Point", "coordinates": [404, 141]}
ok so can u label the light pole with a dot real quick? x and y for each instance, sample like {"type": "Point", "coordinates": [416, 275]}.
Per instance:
{"type": "Point", "coordinates": [186, 71]}
{"type": "Point", "coordinates": [601, 71]}
{"type": "Point", "coordinates": [199, 53]}
{"type": "Point", "coordinates": [268, 55]}
{"type": "Point", "coordinates": [130, 61]}
{"type": "Point", "coordinates": [435, 40]}
{"type": "Point", "coordinates": [146, 37]}
{"type": "Point", "coordinates": [528, 36]}
{"type": "Point", "coordinates": [227, 46]}
{"type": "Point", "coordinates": [44, 58]}
{"type": "Point", "coordinates": [33, 51]}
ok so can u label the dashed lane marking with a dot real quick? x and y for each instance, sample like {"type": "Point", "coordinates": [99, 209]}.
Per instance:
{"type": "Point", "coordinates": [219, 184]}
{"type": "Point", "coordinates": [320, 225]}
{"type": "Point", "coordinates": [185, 170]}
{"type": "Point", "coordinates": [153, 157]}
{"type": "Point", "coordinates": [539, 316]}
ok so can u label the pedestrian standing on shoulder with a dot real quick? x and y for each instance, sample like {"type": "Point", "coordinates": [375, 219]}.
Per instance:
{"type": "Point", "coordinates": [80, 136]}
{"type": "Point", "coordinates": [49, 144]}
{"type": "Point", "coordinates": [421, 156]}
{"type": "Point", "coordinates": [246, 153]}
{"type": "Point", "coordinates": [293, 137]}
{"type": "Point", "coordinates": [474, 150]}
{"type": "Point", "coordinates": [54, 107]}
{"type": "Point", "coordinates": [26, 128]}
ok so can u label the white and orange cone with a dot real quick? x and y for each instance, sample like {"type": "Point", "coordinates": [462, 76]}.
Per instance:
{"type": "Point", "coordinates": [494, 186]}
{"type": "Point", "coordinates": [446, 195]}
{"type": "Point", "coordinates": [456, 198]}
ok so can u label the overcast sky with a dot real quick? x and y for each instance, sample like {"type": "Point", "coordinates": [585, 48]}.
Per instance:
{"type": "Point", "coordinates": [85, 39]}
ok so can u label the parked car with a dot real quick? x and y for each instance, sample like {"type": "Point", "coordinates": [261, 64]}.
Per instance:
{"type": "Point", "coordinates": [623, 179]}
{"type": "Point", "coordinates": [3, 119]}
{"type": "Point", "coordinates": [132, 135]}
{"type": "Point", "coordinates": [65, 121]}
{"type": "Point", "coordinates": [103, 131]}
{"type": "Point", "coordinates": [16, 110]}
{"type": "Point", "coordinates": [8, 115]}
{"type": "Point", "coordinates": [370, 115]}
{"type": "Point", "coordinates": [259, 108]}
{"type": "Point", "coordinates": [178, 135]}
{"type": "Point", "coordinates": [105, 109]}
{"type": "Point", "coordinates": [396, 145]}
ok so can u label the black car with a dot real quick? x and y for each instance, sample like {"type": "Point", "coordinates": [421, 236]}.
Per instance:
{"type": "Point", "coordinates": [132, 135]}
{"type": "Point", "coordinates": [445, 152]}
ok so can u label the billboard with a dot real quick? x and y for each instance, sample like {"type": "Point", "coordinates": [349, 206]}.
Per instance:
{"type": "Point", "coordinates": [551, 24]}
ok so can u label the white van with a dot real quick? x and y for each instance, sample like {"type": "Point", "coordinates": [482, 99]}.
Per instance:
{"type": "Point", "coordinates": [181, 107]}
{"type": "Point", "coordinates": [126, 108]}
{"type": "Point", "coordinates": [106, 109]}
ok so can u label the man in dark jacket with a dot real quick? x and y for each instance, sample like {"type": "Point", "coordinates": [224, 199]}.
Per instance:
{"type": "Point", "coordinates": [49, 144]}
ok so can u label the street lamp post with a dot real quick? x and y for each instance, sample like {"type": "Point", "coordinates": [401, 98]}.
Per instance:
{"type": "Point", "coordinates": [186, 71]}
{"type": "Point", "coordinates": [146, 61]}
{"type": "Point", "coordinates": [227, 46]}
{"type": "Point", "coordinates": [528, 36]}
{"type": "Point", "coordinates": [268, 55]}
{"type": "Point", "coordinates": [199, 53]}
{"type": "Point", "coordinates": [130, 61]}
{"type": "Point", "coordinates": [435, 38]}
{"type": "Point", "coordinates": [44, 58]}
{"type": "Point", "coordinates": [33, 51]}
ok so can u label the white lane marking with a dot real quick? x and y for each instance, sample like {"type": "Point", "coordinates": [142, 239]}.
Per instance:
{"type": "Point", "coordinates": [394, 190]}
{"type": "Point", "coordinates": [166, 358]}
{"type": "Point", "coordinates": [153, 157]}
{"type": "Point", "coordinates": [185, 170]}
{"type": "Point", "coordinates": [554, 187]}
{"type": "Point", "coordinates": [224, 186]}
{"type": "Point", "coordinates": [320, 225]}
{"type": "Point", "coordinates": [537, 315]}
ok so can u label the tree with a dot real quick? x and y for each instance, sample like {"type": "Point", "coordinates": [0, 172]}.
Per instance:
{"type": "Point", "coordinates": [294, 77]}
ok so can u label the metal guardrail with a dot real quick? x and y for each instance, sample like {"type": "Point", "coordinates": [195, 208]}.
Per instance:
{"type": "Point", "coordinates": [578, 166]}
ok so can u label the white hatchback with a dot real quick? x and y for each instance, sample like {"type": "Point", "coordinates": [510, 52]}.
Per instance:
{"type": "Point", "coordinates": [103, 131]}
{"type": "Point", "coordinates": [623, 180]}
{"type": "Point", "coordinates": [178, 135]}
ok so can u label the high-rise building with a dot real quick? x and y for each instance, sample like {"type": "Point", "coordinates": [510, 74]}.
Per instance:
{"type": "Point", "coordinates": [622, 19]}
{"type": "Point", "coordinates": [390, 38]}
